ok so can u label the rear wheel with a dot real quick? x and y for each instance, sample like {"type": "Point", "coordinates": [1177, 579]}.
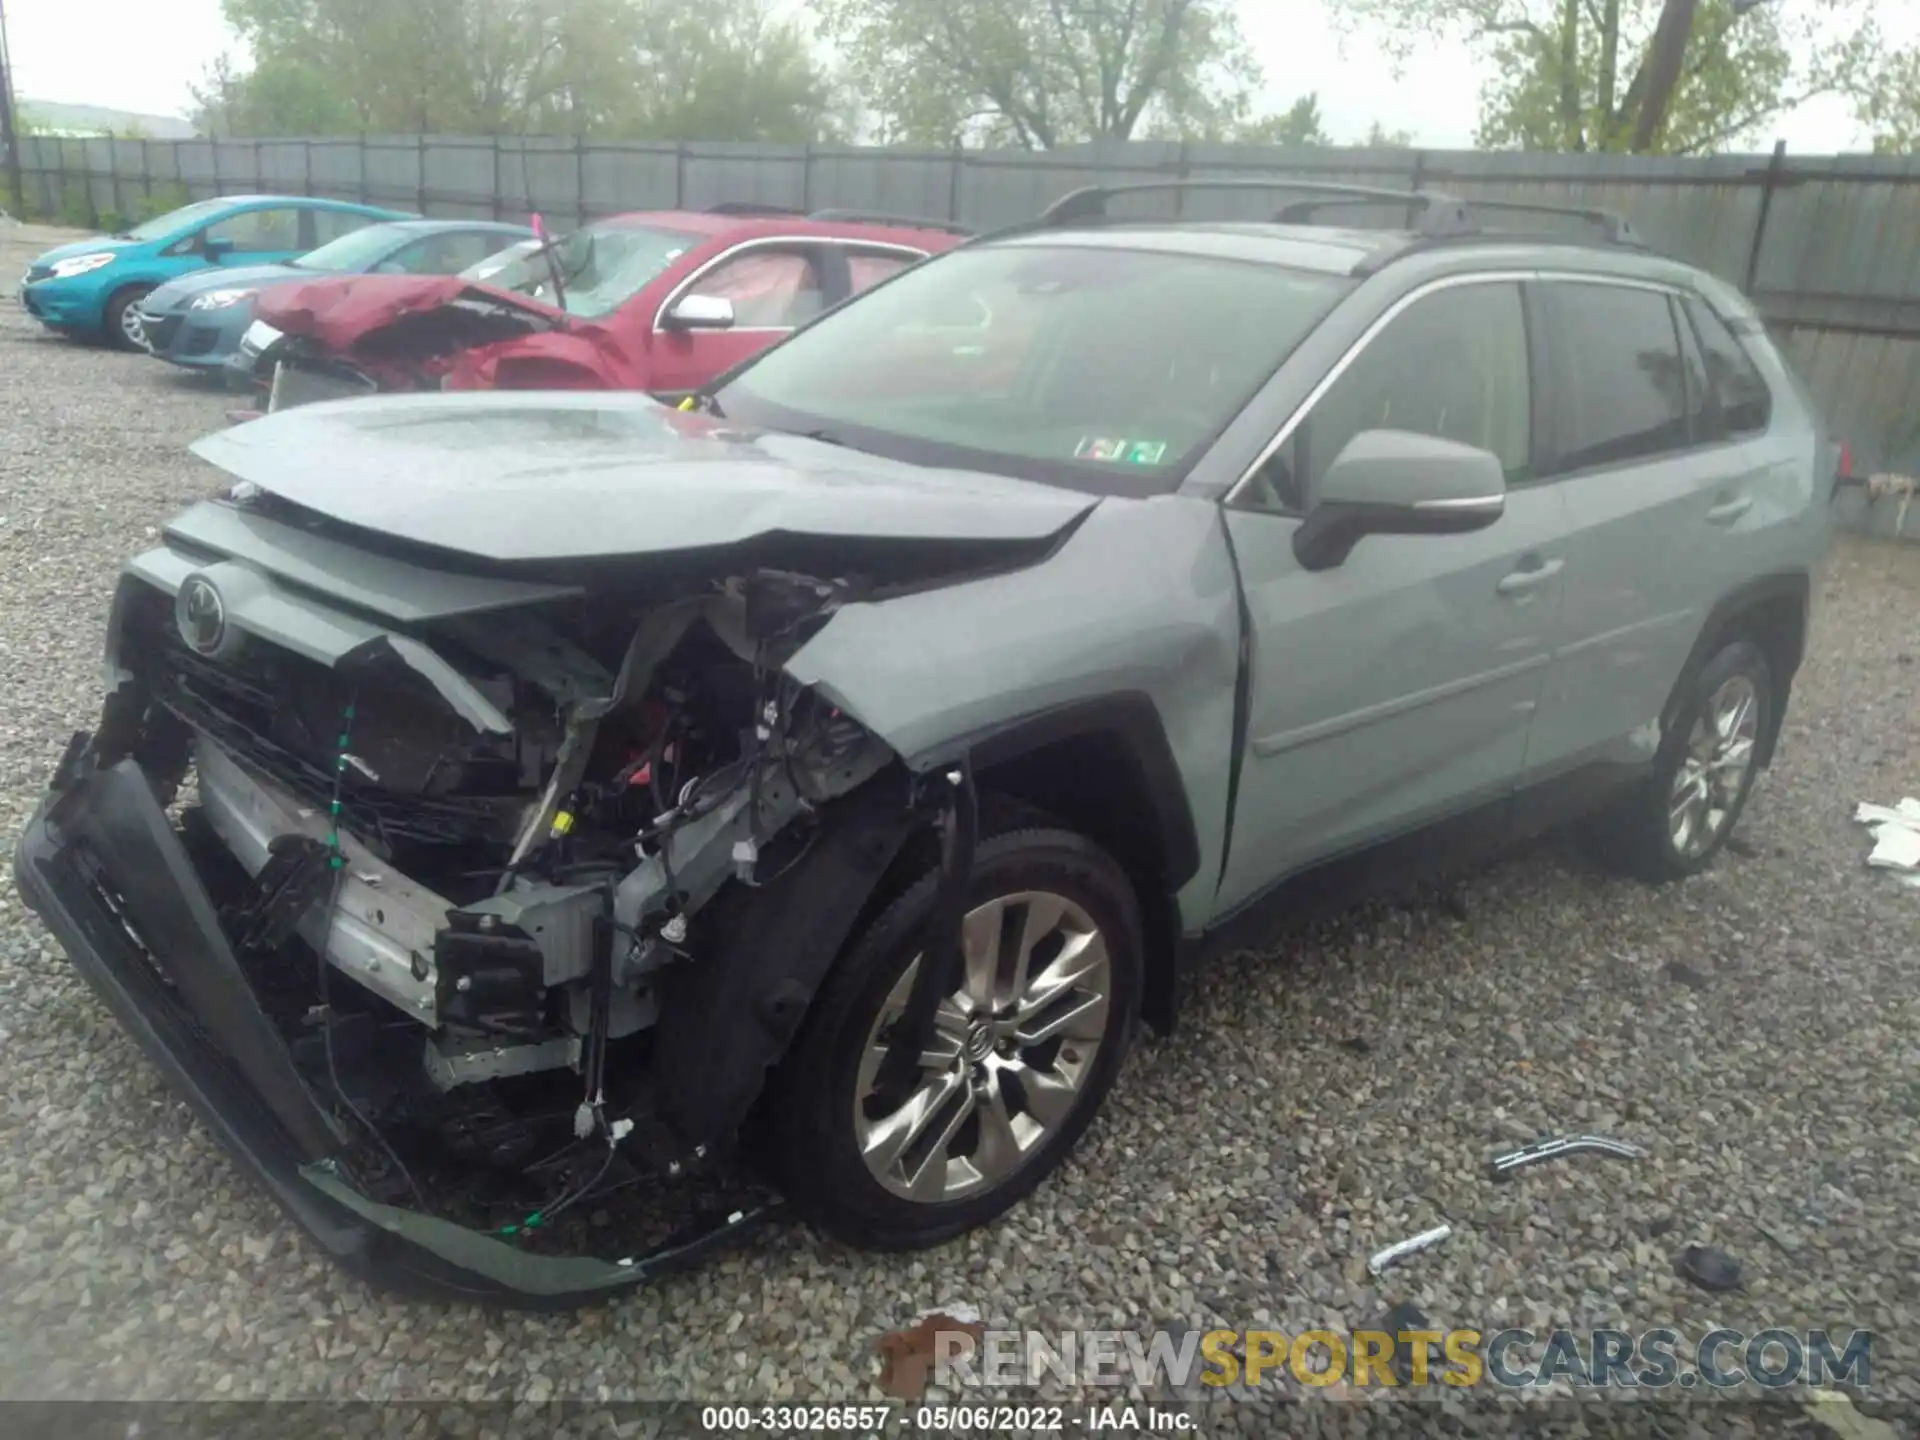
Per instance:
{"type": "Point", "coordinates": [123, 327]}
{"type": "Point", "coordinates": [1674, 824]}
{"type": "Point", "coordinates": [1023, 1050]}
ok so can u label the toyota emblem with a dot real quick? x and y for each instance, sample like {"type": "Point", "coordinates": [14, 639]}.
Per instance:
{"type": "Point", "coordinates": [201, 615]}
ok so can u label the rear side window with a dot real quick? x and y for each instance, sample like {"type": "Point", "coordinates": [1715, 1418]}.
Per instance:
{"type": "Point", "coordinates": [869, 267]}
{"type": "Point", "coordinates": [1620, 390]}
{"type": "Point", "coordinates": [1745, 404]}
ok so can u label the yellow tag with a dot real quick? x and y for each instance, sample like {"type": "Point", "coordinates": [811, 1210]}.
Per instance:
{"type": "Point", "coordinates": [562, 824]}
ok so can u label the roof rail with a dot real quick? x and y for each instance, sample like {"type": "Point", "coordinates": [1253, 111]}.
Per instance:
{"type": "Point", "coordinates": [876, 217]}
{"type": "Point", "coordinates": [1090, 203]}
{"type": "Point", "coordinates": [1432, 214]}
{"type": "Point", "coordinates": [749, 207]}
{"type": "Point", "coordinates": [1614, 227]}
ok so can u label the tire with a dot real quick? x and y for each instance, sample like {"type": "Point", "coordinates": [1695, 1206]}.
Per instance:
{"type": "Point", "coordinates": [1643, 836]}
{"type": "Point", "coordinates": [117, 315]}
{"type": "Point", "coordinates": [816, 1114]}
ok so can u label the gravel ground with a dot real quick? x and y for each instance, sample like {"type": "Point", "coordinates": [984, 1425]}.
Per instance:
{"type": "Point", "coordinates": [1756, 1028]}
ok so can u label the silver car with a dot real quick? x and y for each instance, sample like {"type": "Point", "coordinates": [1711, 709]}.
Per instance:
{"type": "Point", "coordinates": [510, 806]}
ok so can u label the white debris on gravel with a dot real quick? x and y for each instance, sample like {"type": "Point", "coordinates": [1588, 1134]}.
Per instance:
{"type": "Point", "coordinates": [1896, 838]}
{"type": "Point", "coordinates": [1758, 1027]}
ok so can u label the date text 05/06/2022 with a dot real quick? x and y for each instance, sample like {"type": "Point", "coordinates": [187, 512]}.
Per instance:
{"type": "Point", "coordinates": [976, 1419]}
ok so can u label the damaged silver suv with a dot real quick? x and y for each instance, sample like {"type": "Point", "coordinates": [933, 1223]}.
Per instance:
{"type": "Point", "coordinates": [514, 808]}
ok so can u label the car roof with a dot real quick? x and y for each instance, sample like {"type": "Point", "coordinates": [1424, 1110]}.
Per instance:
{"type": "Point", "coordinates": [1344, 251]}
{"type": "Point", "coordinates": [318, 200]}
{"type": "Point", "coordinates": [427, 226]}
{"type": "Point", "coordinates": [719, 224]}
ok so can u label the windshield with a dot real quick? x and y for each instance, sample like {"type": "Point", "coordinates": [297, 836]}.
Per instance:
{"type": "Point", "coordinates": [1109, 370]}
{"type": "Point", "coordinates": [602, 266]}
{"type": "Point", "coordinates": [355, 251]}
{"type": "Point", "coordinates": [493, 267]}
{"type": "Point", "coordinates": [163, 225]}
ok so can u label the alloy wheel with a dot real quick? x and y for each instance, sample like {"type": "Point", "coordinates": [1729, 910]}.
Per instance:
{"type": "Point", "coordinates": [1713, 771]}
{"type": "Point", "coordinates": [1009, 1058]}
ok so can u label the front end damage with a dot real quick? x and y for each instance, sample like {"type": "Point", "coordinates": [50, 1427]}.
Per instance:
{"type": "Point", "coordinates": [471, 916]}
{"type": "Point", "coordinates": [394, 334]}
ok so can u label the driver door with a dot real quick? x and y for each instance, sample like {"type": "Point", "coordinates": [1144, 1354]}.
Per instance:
{"type": "Point", "coordinates": [773, 289]}
{"type": "Point", "coordinates": [1398, 686]}
{"type": "Point", "coordinates": [266, 236]}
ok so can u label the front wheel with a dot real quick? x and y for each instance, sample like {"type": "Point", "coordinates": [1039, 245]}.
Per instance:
{"type": "Point", "coordinates": [1023, 1050]}
{"type": "Point", "coordinates": [123, 328]}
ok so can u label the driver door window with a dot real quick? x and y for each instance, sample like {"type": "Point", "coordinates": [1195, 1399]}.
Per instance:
{"type": "Point", "coordinates": [259, 232]}
{"type": "Point", "coordinates": [1453, 365]}
{"type": "Point", "coordinates": [770, 289]}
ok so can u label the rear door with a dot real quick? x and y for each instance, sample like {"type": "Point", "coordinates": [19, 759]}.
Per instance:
{"type": "Point", "coordinates": [854, 268]}
{"type": "Point", "coordinates": [1399, 686]}
{"type": "Point", "coordinates": [773, 286]}
{"type": "Point", "coordinates": [1650, 488]}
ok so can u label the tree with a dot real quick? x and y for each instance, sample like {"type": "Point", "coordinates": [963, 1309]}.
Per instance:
{"type": "Point", "coordinates": [276, 97]}
{"type": "Point", "coordinates": [1673, 76]}
{"type": "Point", "coordinates": [636, 69]}
{"type": "Point", "coordinates": [1042, 73]}
{"type": "Point", "coordinates": [1890, 105]}
{"type": "Point", "coordinates": [1298, 124]}
{"type": "Point", "coordinates": [1381, 138]}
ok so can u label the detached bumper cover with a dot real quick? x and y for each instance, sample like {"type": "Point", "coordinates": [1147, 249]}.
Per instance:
{"type": "Point", "coordinates": [99, 863]}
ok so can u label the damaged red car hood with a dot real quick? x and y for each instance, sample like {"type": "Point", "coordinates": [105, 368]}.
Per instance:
{"type": "Point", "coordinates": [341, 310]}
{"type": "Point", "coordinates": [555, 475]}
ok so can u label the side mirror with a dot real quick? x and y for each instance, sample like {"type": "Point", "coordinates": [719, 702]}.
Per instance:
{"type": "Point", "coordinates": [214, 248]}
{"type": "Point", "coordinates": [1393, 482]}
{"type": "Point", "coordinates": [700, 312]}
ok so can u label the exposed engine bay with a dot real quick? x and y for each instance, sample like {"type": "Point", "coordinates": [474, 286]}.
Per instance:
{"type": "Point", "coordinates": [506, 834]}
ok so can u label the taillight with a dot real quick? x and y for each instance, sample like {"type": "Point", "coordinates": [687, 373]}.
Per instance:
{"type": "Point", "coordinates": [1845, 472]}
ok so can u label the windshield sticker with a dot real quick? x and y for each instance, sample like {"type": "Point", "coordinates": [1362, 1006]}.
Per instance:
{"type": "Point", "coordinates": [1127, 452]}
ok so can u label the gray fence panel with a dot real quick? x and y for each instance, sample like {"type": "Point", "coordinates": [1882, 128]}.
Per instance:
{"type": "Point", "coordinates": [890, 182]}
{"type": "Point", "coordinates": [392, 173]}
{"type": "Point", "coordinates": [631, 177]}
{"type": "Point", "coordinates": [463, 178]}
{"type": "Point", "coordinates": [336, 168]}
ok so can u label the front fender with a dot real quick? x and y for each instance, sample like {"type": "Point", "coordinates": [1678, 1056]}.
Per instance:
{"type": "Point", "coordinates": [1139, 601]}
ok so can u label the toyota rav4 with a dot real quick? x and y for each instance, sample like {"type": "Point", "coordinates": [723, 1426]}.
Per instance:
{"type": "Point", "coordinates": [511, 807]}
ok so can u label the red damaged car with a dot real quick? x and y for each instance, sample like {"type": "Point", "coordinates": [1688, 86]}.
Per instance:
{"type": "Point", "coordinates": [661, 301]}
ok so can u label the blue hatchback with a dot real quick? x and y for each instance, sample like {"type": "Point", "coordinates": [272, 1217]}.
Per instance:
{"type": "Point", "coordinates": [90, 288]}
{"type": "Point", "coordinates": [197, 321]}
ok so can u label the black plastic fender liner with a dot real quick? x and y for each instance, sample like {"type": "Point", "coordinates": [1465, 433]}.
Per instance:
{"type": "Point", "coordinates": [728, 1019]}
{"type": "Point", "coordinates": [941, 956]}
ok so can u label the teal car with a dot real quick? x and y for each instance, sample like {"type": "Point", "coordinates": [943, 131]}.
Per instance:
{"type": "Point", "coordinates": [90, 289]}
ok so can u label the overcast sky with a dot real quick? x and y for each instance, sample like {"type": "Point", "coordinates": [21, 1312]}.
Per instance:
{"type": "Point", "coordinates": [141, 54]}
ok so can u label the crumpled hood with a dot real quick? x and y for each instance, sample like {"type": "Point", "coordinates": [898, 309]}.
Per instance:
{"type": "Point", "coordinates": [236, 277]}
{"type": "Point", "coordinates": [553, 475]}
{"type": "Point", "coordinates": [83, 247]}
{"type": "Point", "coordinates": [337, 310]}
